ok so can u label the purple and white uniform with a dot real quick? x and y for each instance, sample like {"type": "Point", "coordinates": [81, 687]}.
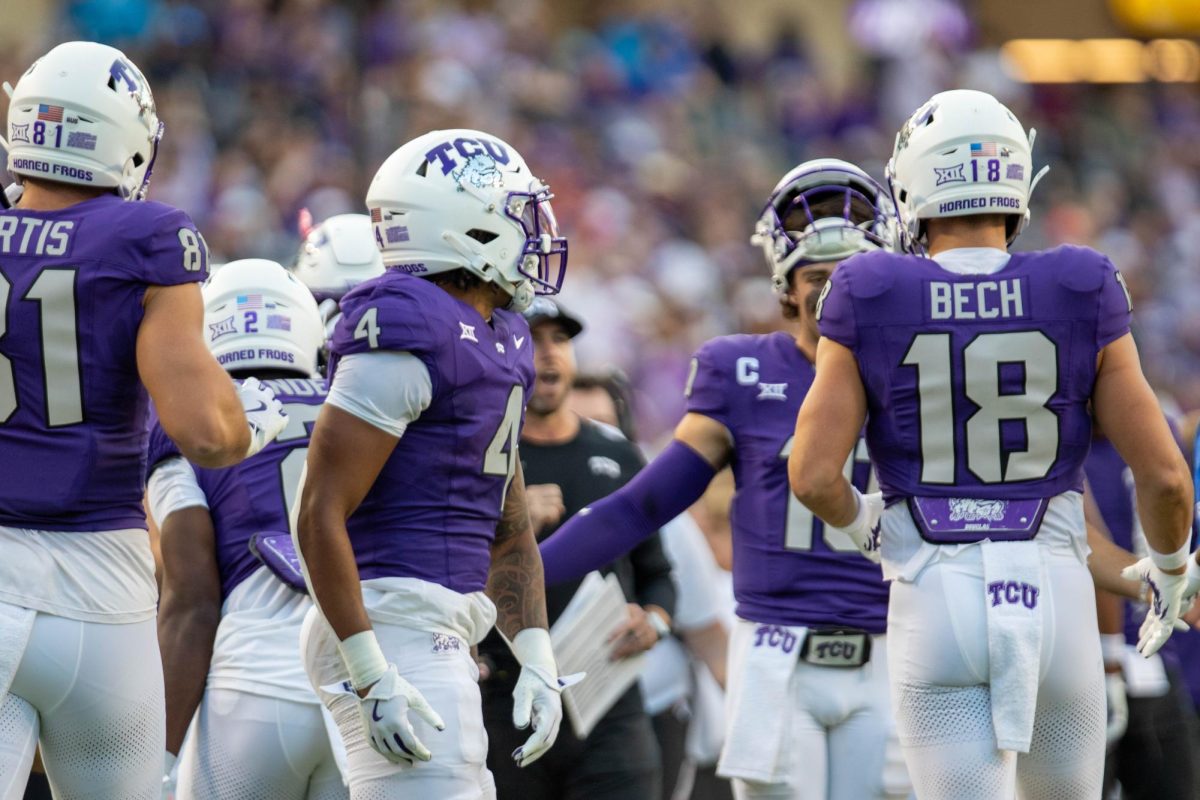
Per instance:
{"type": "Point", "coordinates": [792, 578]}
{"type": "Point", "coordinates": [788, 569]}
{"type": "Point", "coordinates": [978, 368]}
{"type": "Point", "coordinates": [73, 408]}
{"type": "Point", "coordinates": [420, 365]}
{"type": "Point", "coordinates": [78, 647]}
{"type": "Point", "coordinates": [259, 722]}
{"type": "Point", "coordinates": [433, 510]}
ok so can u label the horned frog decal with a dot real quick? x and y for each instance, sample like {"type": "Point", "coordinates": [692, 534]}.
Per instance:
{"type": "Point", "coordinates": [968, 510]}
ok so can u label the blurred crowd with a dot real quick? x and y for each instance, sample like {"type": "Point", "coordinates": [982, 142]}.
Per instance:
{"type": "Point", "coordinates": [660, 135]}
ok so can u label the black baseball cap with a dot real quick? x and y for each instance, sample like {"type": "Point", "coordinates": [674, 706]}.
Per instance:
{"type": "Point", "coordinates": [543, 308]}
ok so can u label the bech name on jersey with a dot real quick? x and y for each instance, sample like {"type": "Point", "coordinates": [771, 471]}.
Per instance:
{"type": "Point", "coordinates": [968, 300]}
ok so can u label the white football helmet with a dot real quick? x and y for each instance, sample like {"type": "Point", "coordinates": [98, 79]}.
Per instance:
{"type": "Point", "coordinates": [962, 153]}
{"type": "Point", "coordinates": [257, 315]}
{"type": "Point", "coordinates": [791, 233]}
{"type": "Point", "coordinates": [337, 255]}
{"type": "Point", "coordinates": [83, 114]}
{"type": "Point", "coordinates": [463, 199]}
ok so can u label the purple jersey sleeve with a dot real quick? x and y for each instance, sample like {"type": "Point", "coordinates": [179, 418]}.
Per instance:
{"type": "Point", "coordinates": [835, 310]}
{"type": "Point", "coordinates": [389, 313]}
{"type": "Point", "coordinates": [1116, 307]}
{"type": "Point", "coordinates": [168, 248]}
{"type": "Point", "coordinates": [706, 391]}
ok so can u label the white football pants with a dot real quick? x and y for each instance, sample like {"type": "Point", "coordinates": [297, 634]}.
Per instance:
{"type": "Point", "coordinates": [937, 631]}
{"type": "Point", "coordinates": [247, 745]}
{"type": "Point", "coordinates": [93, 695]}
{"type": "Point", "coordinates": [448, 678]}
{"type": "Point", "coordinates": [840, 740]}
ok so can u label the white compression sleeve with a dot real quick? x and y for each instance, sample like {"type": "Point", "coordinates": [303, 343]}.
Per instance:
{"type": "Point", "coordinates": [172, 487]}
{"type": "Point", "coordinates": [387, 389]}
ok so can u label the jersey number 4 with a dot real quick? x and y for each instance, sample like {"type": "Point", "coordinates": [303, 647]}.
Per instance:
{"type": "Point", "coordinates": [54, 292]}
{"type": "Point", "coordinates": [1029, 354]}
{"type": "Point", "coordinates": [500, 461]}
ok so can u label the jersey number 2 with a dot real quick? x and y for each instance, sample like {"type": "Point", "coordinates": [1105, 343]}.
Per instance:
{"type": "Point", "coordinates": [497, 460]}
{"type": "Point", "coordinates": [54, 292]}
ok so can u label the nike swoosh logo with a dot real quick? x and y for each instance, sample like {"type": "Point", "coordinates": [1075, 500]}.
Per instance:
{"type": "Point", "coordinates": [375, 713]}
{"type": "Point", "coordinates": [518, 341]}
{"type": "Point", "coordinates": [261, 407]}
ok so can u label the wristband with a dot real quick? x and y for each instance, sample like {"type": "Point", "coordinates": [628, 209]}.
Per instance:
{"type": "Point", "coordinates": [661, 628]}
{"type": "Point", "coordinates": [532, 648]}
{"type": "Point", "coordinates": [364, 659]}
{"type": "Point", "coordinates": [861, 512]}
{"type": "Point", "coordinates": [1112, 647]}
{"type": "Point", "coordinates": [1165, 561]}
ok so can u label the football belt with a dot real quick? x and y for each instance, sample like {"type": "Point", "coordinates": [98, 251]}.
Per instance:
{"type": "Point", "coordinates": [836, 647]}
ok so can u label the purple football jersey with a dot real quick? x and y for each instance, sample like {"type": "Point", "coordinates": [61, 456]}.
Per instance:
{"type": "Point", "coordinates": [433, 510]}
{"type": "Point", "coordinates": [977, 385]}
{"type": "Point", "coordinates": [257, 494]}
{"type": "Point", "coordinates": [787, 569]}
{"type": "Point", "coordinates": [73, 411]}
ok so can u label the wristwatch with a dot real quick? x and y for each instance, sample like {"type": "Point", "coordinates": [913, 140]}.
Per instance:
{"type": "Point", "coordinates": [659, 624]}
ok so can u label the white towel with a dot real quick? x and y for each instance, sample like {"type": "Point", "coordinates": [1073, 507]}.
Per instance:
{"type": "Point", "coordinates": [16, 623]}
{"type": "Point", "coordinates": [1013, 582]}
{"type": "Point", "coordinates": [758, 703]}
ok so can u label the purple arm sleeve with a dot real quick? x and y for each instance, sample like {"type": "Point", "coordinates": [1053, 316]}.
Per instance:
{"type": "Point", "coordinates": [609, 528]}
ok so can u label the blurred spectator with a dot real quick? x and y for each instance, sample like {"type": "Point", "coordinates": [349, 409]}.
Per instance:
{"type": "Point", "coordinates": [661, 134]}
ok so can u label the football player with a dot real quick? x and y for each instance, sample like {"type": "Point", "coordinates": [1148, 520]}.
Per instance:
{"type": "Point", "coordinates": [335, 256]}
{"type": "Point", "coordinates": [807, 687]}
{"type": "Point", "coordinates": [233, 598]}
{"type": "Point", "coordinates": [976, 369]}
{"type": "Point", "coordinates": [414, 484]}
{"type": "Point", "coordinates": [101, 311]}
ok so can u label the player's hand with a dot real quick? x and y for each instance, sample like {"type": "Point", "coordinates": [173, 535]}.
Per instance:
{"type": "Point", "coordinates": [864, 530]}
{"type": "Point", "coordinates": [1192, 589]}
{"type": "Point", "coordinates": [537, 698]}
{"type": "Point", "coordinates": [636, 635]}
{"type": "Point", "coordinates": [1118, 706]}
{"type": "Point", "coordinates": [385, 710]}
{"type": "Point", "coordinates": [264, 414]}
{"type": "Point", "coordinates": [545, 502]}
{"type": "Point", "coordinates": [1165, 600]}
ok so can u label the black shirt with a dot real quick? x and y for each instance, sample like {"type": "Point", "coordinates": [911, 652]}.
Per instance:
{"type": "Point", "coordinates": [594, 464]}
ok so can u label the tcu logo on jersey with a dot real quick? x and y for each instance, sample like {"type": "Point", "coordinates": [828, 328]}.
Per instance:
{"type": "Point", "coordinates": [1013, 592]}
{"type": "Point", "coordinates": [774, 636]}
{"type": "Point", "coordinates": [466, 149]}
{"type": "Point", "coordinates": [971, 510]}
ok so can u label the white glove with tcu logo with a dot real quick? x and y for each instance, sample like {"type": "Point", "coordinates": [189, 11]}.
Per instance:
{"type": "Point", "coordinates": [264, 414]}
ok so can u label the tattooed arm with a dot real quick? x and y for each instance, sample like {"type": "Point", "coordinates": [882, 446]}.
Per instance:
{"type": "Point", "coordinates": [515, 581]}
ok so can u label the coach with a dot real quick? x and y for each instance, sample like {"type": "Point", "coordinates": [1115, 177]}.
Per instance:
{"type": "Point", "coordinates": [570, 462]}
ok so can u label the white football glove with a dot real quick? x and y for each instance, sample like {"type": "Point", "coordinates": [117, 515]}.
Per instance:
{"type": "Point", "coordinates": [385, 717]}
{"type": "Point", "coordinates": [865, 528]}
{"type": "Point", "coordinates": [537, 698]}
{"type": "Point", "coordinates": [264, 414]}
{"type": "Point", "coordinates": [1193, 583]}
{"type": "Point", "coordinates": [1118, 707]}
{"type": "Point", "coordinates": [1166, 604]}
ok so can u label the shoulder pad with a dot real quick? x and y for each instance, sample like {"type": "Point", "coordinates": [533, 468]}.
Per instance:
{"type": "Point", "coordinates": [871, 274]}
{"type": "Point", "coordinates": [396, 312]}
{"type": "Point", "coordinates": [1079, 269]}
{"type": "Point", "coordinates": [164, 246]}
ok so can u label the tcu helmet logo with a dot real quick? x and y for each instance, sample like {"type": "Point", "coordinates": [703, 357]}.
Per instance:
{"type": "Point", "coordinates": [968, 510]}
{"type": "Point", "coordinates": [449, 154]}
{"type": "Point", "coordinates": [479, 171]}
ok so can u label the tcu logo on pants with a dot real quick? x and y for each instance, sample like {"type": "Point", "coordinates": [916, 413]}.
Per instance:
{"type": "Point", "coordinates": [774, 636]}
{"type": "Point", "coordinates": [1013, 592]}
